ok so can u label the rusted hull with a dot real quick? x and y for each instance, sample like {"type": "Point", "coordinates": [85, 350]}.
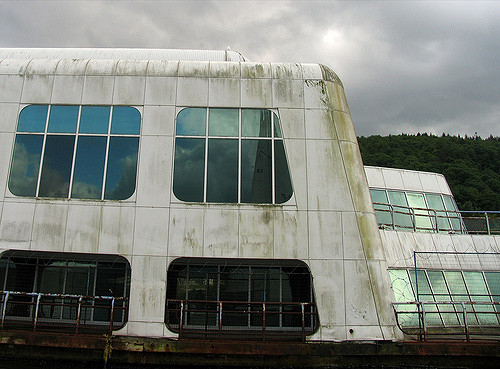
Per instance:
{"type": "Point", "coordinates": [121, 350]}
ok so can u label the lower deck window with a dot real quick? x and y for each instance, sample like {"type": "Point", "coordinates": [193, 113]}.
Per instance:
{"type": "Point", "coordinates": [240, 295]}
{"type": "Point", "coordinates": [48, 289]}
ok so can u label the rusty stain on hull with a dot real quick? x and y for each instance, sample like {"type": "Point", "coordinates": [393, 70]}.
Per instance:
{"type": "Point", "coordinates": [111, 350]}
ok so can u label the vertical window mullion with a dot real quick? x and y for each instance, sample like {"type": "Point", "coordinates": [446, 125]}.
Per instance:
{"type": "Point", "coordinates": [273, 179]}
{"type": "Point", "coordinates": [42, 154]}
{"type": "Point", "coordinates": [239, 156]}
{"type": "Point", "coordinates": [205, 177]}
{"type": "Point", "coordinates": [107, 153]}
{"type": "Point", "coordinates": [74, 151]}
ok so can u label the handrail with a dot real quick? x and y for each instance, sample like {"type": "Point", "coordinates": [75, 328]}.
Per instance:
{"type": "Point", "coordinates": [457, 221]}
{"type": "Point", "coordinates": [215, 313]}
{"type": "Point", "coordinates": [469, 319]}
{"type": "Point", "coordinates": [36, 303]}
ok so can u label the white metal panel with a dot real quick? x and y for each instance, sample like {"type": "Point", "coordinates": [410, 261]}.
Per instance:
{"type": "Point", "coordinates": [224, 69]}
{"type": "Point", "coordinates": [292, 123]}
{"type": "Point", "coordinates": [13, 66]}
{"type": "Point", "coordinates": [325, 235]}
{"type": "Point", "coordinates": [319, 124]}
{"type": "Point", "coordinates": [429, 182]}
{"type": "Point", "coordinates": [101, 67]}
{"type": "Point", "coordinates": [82, 231]}
{"type": "Point", "coordinates": [344, 127]}
{"type": "Point", "coordinates": [166, 68]}
{"type": "Point", "coordinates": [256, 233]}
{"type": "Point", "coordinates": [220, 233]}
{"type": "Point", "coordinates": [296, 156]}
{"type": "Point", "coordinates": [8, 123]}
{"type": "Point", "coordinates": [151, 231]}
{"type": "Point", "coordinates": [155, 171]}
{"type": "Point", "coordinates": [185, 237]}
{"type": "Point", "coordinates": [98, 90]}
{"type": "Point", "coordinates": [411, 181]}
{"type": "Point", "coordinates": [71, 67]}
{"type": "Point", "coordinates": [17, 221]}
{"type": "Point", "coordinates": [67, 90]}
{"type": "Point", "coordinates": [37, 89]}
{"type": "Point", "coordinates": [256, 93]}
{"type": "Point", "coordinates": [286, 71]}
{"type": "Point", "coordinates": [158, 120]}
{"type": "Point", "coordinates": [160, 90]}
{"type": "Point", "coordinates": [117, 229]}
{"type": "Point", "coordinates": [288, 93]}
{"type": "Point", "coordinates": [290, 234]}
{"type": "Point", "coordinates": [256, 70]}
{"type": "Point", "coordinates": [375, 177]}
{"type": "Point", "coordinates": [192, 91]}
{"type": "Point", "coordinates": [311, 71]}
{"type": "Point", "coordinates": [49, 227]}
{"type": "Point", "coordinates": [10, 88]}
{"type": "Point", "coordinates": [129, 90]}
{"type": "Point", "coordinates": [351, 239]}
{"type": "Point", "coordinates": [224, 92]}
{"type": "Point", "coordinates": [393, 179]}
{"type": "Point", "coordinates": [193, 68]}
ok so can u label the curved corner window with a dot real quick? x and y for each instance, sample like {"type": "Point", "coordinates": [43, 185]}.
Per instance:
{"type": "Point", "coordinates": [64, 291]}
{"type": "Point", "coordinates": [72, 151]}
{"type": "Point", "coordinates": [230, 156]}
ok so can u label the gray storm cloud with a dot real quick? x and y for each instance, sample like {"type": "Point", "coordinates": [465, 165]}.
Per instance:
{"type": "Point", "coordinates": [406, 66]}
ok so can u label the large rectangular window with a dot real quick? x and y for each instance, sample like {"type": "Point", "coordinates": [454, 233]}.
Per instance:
{"type": "Point", "coordinates": [71, 151]}
{"type": "Point", "coordinates": [230, 156]}
{"type": "Point", "coordinates": [61, 288]}
{"type": "Point", "coordinates": [239, 295]}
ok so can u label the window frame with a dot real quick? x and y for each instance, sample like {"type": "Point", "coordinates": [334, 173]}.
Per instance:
{"type": "Point", "coordinates": [76, 135]}
{"type": "Point", "coordinates": [275, 136]}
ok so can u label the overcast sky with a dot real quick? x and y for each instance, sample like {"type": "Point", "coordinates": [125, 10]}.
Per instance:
{"type": "Point", "coordinates": [407, 66]}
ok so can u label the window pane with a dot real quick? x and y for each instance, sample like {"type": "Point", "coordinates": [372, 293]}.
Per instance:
{"type": "Point", "coordinates": [126, 120]}
{"type": "Point", "coordinates": [277, 128]}
{"type": "Point", "coordinates": [255, 123]}
{"type": "Point", "coordinates": [56, 167]}
{"type": "Point", "coordinates": [402, 218]}
{"type": "Point", "coordinates": [191, 122]}
{"type": "Point", "coordinates": [283, 186]}
{"type": "Point", "coordinates": [94, 119]}
{"type": "Point", "coordinates": [25, 165]}
{"type": "Point", "coordinates": [223, 122]}
{"type": "Point", "coordinates": [222, 170]}
{"type": "Point", "coordinates": [89, 167]}
{"type": "Point", "coordinates": [382, 212]}
{"type": "Point", "coordinates": [449, 203]}
{"type": "Point", "coordinates": [456, 285]}
{"type": "Point", "coordinates": [122, 168]}
{"type": "Point", "coordinates": [401, 285]}
{"type": "Point", "coordinates": [189, 169]}
{"type": "Point", "coordinates": [33, 118]}
{"type": "Point", "coordinates": [256, 171]}
{"type": "Point", "coordinates": [493, 279]}
{"type": "Point", "coordinates": [63, 118]}
{"type": "Point", "coordinates": [422, 219]}
{"type": "Point", "coordinates": [436, 202]}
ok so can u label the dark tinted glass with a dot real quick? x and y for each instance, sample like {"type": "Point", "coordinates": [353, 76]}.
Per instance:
{"type": "Point", "coordinates": [282, 175]}
{"type": "Point", "coordinates": [189, 169]}
{"type": "Point", "coordinates": [256, 171]}
{"type": "Point", "coordinates": [94, 119]}
{"type": "Point", "coordinates": [255, 123]}
{"type": "Point", "coordinates": [222, 170]}
{"type": "Point", "coordinates": [25, 165]}
{"type": "Point", "coordinates": [126, 121]}
{"type": "Point", "coordinates": [63, 119]}
{"type": "Point", "coordinates": [277, 128]}
{"type": "Point", "coordinates": [33, 118]}
{"type": "Point", "coordinates": [223, 122]}
{"type": "Point", "coordinates": [191, 122]}
{"type": "Point", "coordinates": [56, 168]}
{"type": "Point", "coordinates": [89, 167]}
{"type": "Point", "coordinates": [122, 168]}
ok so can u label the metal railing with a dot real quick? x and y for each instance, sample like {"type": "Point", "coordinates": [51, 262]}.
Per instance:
{"type": "Point", "coordinates": [432, 220]}
{"type": "Point", "coordinates": [62, 312]}
{"type": "Point", "coordinates": [241, 320]}
{"type": "Point", "coordinates": [449, 319]}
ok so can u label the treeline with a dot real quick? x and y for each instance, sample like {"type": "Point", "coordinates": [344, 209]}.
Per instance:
{"type": "Point", "coordinates": [470, 164]}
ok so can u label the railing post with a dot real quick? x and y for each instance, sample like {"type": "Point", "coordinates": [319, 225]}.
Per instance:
{"type": "Point", "coordinates": [4, 307]}
{"type": "Point", "coordinates": [424, 326]}
{"type": "Point", "coordinates": [487, 223]}
{"type": "Point", "coordinates": [181, 318]}
{"type": "Point", "coordinates": [111, 316]}
{"type": "Point", "coordinates": [392, 217]}
{"type": "Point", "coordinates": [466, 325]}
{"type": "Point", "coordinates": [263, 321]}
{"type": "Point", "coordinates": [39, 296]}
{"type": "Point", "coordinates": [220, 319]}
{"type": "Point", "coordinates": [78, 314]}
{"type": "Point", "coordinates": [303, 323]}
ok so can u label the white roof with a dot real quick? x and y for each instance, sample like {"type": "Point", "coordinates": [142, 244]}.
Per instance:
{"type": "Point", "coordinates": [130, 54]}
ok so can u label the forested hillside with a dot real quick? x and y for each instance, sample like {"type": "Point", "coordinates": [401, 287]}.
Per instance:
{"type": "Point", "coordinates": [470, 164]}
